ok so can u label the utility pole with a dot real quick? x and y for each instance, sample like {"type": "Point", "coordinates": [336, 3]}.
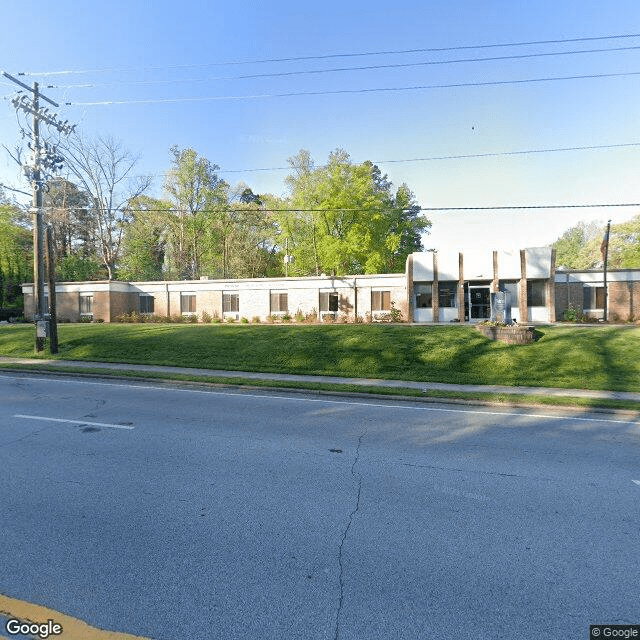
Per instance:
{"type": "Point", "coordinates": [44, 157]}
{"type": "Point", "coordinates": [51, 272]}
{"type": "Point", "coordinates": [604, 248]}
{"type": "Point", "coordinates": [38, 229]}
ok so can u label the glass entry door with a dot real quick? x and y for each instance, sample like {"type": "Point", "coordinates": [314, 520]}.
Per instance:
{"type": "Point", "coordinates": [479, 303]}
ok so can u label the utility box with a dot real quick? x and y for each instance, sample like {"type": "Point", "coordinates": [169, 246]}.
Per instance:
{"type": "Point", "coordinates": [42, 329]}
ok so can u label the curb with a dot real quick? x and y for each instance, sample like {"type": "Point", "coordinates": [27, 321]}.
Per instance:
{"type": "Point", "coordinates": [321, 392]}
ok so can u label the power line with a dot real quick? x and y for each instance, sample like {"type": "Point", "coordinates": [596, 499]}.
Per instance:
{"type": "Point", "coordinates": [263, 96]}
{"type": "Point", "coordinates": [466, 156]}
{"type": "Point", "coordinates": [518, 207]}
{"type": "Point", "coordinates": [343, 69]}
{"type": "Point", "coordinates": [332, 56]}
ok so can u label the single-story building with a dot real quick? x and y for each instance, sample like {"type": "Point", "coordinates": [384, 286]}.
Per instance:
{"type": "Point", "coordinates": [521, 286]}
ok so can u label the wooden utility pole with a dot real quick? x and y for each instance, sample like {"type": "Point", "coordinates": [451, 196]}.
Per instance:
{"type": "Point", "coordinates": [44, 156]}
{"type": "Point", "coordinates": [38, 229]}
{"type": "Point", "coordinates": [605, 248]}
{"type": "Point", "coordinates": [51, 272]}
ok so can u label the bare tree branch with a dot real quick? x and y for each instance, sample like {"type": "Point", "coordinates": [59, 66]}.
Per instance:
{"type": "Point", "coordinates": [103, 169]}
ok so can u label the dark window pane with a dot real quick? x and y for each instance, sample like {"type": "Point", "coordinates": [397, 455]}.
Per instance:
{"type": "Point", "coordinates": [380, 300]}
{"type": "Point", "coordinates": [230, 302]}
{"type": "Point", "coordinates": [86, 304]}
{"type": "Point", "coordinates": [536, 294]}
{"type": "Point", "coordinates": [187, 303]}
{"type": "Point", "coordinates": [447, 293]}
{"type": "Point", "coordinates": [147, 304]}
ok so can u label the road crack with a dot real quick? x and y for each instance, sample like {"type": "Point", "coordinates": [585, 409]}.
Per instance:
{"type": "Point", "coordinates": [346, 532]}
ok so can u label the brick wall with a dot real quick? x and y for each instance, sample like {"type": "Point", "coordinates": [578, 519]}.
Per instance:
{"type": "Point", "coordinates": [567, 294]}
{"type": "Point", "coordinates": [624, 301]}
{"type": "Point", "coordinates": [209, 301]}
{"type": "Point", "coordinates": [121, 303]}
{"type": "Point", "coordinates": [68, 306]}
{"type": "Point", "coordinates": [101, 305]}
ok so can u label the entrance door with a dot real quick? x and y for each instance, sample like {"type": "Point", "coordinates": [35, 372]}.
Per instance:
{"type": "Point", "coordinates": [479, 304]}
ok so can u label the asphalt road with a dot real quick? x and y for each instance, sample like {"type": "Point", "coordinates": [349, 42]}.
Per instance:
{"type": "Point", "coordinates": [177, 514]}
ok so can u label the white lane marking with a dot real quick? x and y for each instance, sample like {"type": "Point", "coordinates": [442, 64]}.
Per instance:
{"type": "Point", "coordinates": [91, 424]}
{"type": "Point", "coordinates": [345, 402]}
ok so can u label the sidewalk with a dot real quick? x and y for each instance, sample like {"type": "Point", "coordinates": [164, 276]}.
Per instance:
{"type": "Point", "coordinates": [395, 384]}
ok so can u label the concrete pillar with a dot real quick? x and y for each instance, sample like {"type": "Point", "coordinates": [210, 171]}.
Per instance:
{"type": "Point", "coordinates": [524, 315]}
{"type": "Point", "coordinates": [551, 288]}
{"type": "Point", "coordinates": [460, 287]}
{"type": "Point", "coordinates": [435, 300]}
{"type": "Point", "coordinates": [410, 298]}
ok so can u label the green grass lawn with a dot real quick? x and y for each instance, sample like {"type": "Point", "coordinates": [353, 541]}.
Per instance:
{"type": "Point", "coordinates": [570, 357]}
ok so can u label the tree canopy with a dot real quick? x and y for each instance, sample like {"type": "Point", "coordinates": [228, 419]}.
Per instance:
{"type": "Point", "coordinates": [16, 255]}
{"type": "Point", "coordinates": [345, 218]}
{"type": "Point", "coordinates": [340, 218]}
{"type": "Point", "coordinates": [579, 246]}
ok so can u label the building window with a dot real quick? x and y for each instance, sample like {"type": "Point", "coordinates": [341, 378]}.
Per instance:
{"type": "Point", "coordinates": [86, 304]}
{"type": "Point", "coordinates": [230, 303]}
{"type": "Point", "coordinates": [512, 290]}
{"type": "Point", "coordinates": [536, 293]}
{"type": "Point", "coordinates": [593, 298]}
{"type": "Point", "coordinates": [279, 302]}
{"type": "Point", "coordinates": [328, 301]}
{"type": "Point", "coordinates": [146, 303]}
{"type": "Point", "coordinates": [380, 300]}
{"type": "Point", "coordinates": [187, 303]}
{"type": "Point", "coordinates": [447, 294]}
{"type": "Point", "coordinates": [424, 295]}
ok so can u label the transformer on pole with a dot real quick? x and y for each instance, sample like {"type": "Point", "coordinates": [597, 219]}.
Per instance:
{"type": "Point", "coordinates": [44, 157]}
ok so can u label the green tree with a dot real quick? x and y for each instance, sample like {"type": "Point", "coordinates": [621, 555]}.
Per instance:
{"type": "Point", "coordinates": [145, 239]}
{"type": "Point", "coordinates": [624, 245]}
{"type": "Point", "coordinates": [199, 197]}
{"type": "Point", "coordinates": [579, 246]}
{"type": "Point", "coordinates": [347, 219]}
{"type": "Point", "coordinates": [16, 254]}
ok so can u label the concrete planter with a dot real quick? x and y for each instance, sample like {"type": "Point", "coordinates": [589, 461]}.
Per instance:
{"type": "Point", "coordinates": [515, 334]}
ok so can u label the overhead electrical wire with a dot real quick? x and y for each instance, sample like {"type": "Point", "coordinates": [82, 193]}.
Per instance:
{"type": "Point", "coordinates": [515, 207]}
{"type": "Point", "coordinates": [465, 156]}
{"type": "Point", "coordinates": [332, 55]}
{"type": "Point", "coordinates": [400, 65]}
{"type": "Point", "coordinates": [289, 94]}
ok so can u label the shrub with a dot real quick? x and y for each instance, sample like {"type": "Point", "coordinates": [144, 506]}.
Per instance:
{"type": "Point", "coordinates": [206, 317]}
{"type": "Point", "coordinates": [244, 320]}
{"type": "Point", "coordinates": [395, 314]}
{"type": "Point", "coordinates": [300, 317]}
{"type": "Point", "coordinates": [256, 320]}
{"type": "Point", "coordinates": [192, 319]}
{"type": "Point", "coordinates": [286, 318]}
{"type": "Point", "coordinates": [312, 316]}
{"type": "Point", "coordinates": [573, 314]}
{"type": "Point", "coordinates": [230, 320]}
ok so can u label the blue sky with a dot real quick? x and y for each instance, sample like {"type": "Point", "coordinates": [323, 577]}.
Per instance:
{"type": "Point", "coordinates": [169, 63]}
